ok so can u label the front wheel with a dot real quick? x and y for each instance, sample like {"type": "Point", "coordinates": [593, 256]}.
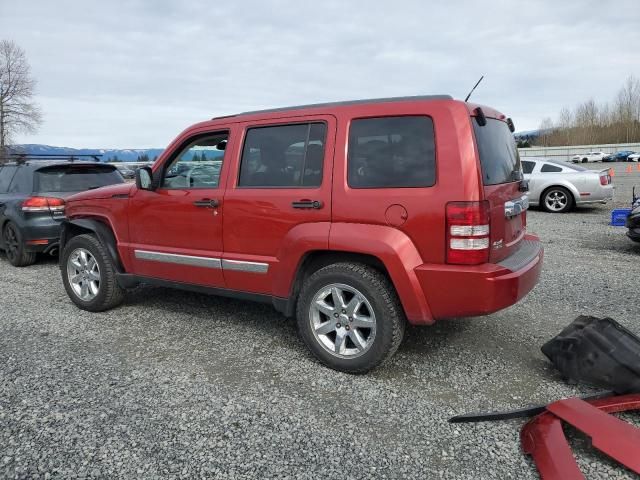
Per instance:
{"type": "Point", "coordinates": [350, 317]}
{"type": "Point", "coordinates": [89, 275]}
{"type": "Point", "coordinates": [557, 200]}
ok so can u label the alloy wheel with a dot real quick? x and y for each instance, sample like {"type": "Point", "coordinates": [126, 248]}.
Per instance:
{"type": "Point", "coordinates": [11, 242]}
{"type": "Point", "coordinates": [556, 200]}
{"type": "Point", "coordinates": [342, 320]}
{"type": "Point", "coordinates": [83, 273]}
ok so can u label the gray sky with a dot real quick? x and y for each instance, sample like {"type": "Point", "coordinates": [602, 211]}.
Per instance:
{"type": "Point", "coordinates": [117, 74]}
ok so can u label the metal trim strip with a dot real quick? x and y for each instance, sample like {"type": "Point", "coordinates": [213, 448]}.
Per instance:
{"type": "Point", "coordinates": [242, 266]}
{"type": "Point", "coordinates": [206, 262]}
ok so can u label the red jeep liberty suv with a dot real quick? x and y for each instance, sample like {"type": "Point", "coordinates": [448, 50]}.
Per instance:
{"type": "Point", "coordinates": [354, 217]}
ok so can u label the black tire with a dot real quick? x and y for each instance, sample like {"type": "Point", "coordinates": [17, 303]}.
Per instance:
{"type": "Point", "coordinates": [15, 249]}
{"type": "Point", "coordinates": [381, 296]}
{"type": "Point", "coordinates": [561, 191]}
{"type": "Point", "coordinates": [109, 294]}
{"type": "Point", "coordinates": [585, 160]}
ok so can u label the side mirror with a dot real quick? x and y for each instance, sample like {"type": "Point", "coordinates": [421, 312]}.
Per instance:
{"type": "Point", "coordinates": [144, 178]}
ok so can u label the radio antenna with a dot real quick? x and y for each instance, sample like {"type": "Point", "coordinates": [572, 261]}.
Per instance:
{"type": "Point", "coordinates": [474, 87]}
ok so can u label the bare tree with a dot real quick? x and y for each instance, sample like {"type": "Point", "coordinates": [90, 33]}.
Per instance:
{"type": "Point", "coordinates": [546, 131]}
{"type": "Point", "coordinates": [591, 123]}
{"type": "Point", "coordinates": [18, 112]}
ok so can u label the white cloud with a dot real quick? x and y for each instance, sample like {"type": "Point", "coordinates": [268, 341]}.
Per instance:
{"type": "Point", "coordinates": [134, 74]}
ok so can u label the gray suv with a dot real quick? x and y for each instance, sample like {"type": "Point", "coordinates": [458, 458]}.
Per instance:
{"type": "Point", "coordinates": [32, 202]}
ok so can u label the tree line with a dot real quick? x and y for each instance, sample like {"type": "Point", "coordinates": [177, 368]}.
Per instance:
{"type": "Point", "coordinates": [144, 158]}
{"type": "Point", "coordinates": [591, 123]}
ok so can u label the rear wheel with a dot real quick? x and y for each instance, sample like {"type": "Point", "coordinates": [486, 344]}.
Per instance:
{"type": "Point", "coordinates": [350, 317]}
{"type": "Point", "coordinates": [585, 160]}
{"type": "Point", "coordinates": [557, 200]}
{"type": "Point", "coordinates": [89, 275]}
{"type": "Point", "coordinates": [15, 247]}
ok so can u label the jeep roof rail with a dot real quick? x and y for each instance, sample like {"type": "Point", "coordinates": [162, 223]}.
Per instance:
{"type": "Point", "coordinates": [416, 98]}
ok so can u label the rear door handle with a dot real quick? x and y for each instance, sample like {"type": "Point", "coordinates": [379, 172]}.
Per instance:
{"type": "Point", "coordinates": [207, 203]}
{"type": "Point", "coordinates": [315, 204]}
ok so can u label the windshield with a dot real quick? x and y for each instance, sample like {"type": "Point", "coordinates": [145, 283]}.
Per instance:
{"type": "Point", "coordinates": [498, 153]}
{"type": "Point", "coordinates": [75, 178]}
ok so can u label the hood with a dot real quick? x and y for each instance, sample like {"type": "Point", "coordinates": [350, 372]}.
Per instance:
{"type": "Point", "coordinates": [103, 192]}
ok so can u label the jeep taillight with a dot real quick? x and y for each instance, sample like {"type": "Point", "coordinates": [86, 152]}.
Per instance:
{"type": "Point", "coordinates": [43, 204]}
{"type": "Point", "coordinates": [468, 231]}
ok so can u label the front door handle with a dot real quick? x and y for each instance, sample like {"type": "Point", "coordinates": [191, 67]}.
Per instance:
{"type": "Point", "coordinates": [207, 203]}
{"type": "Point", "coordinates": [315, 204]}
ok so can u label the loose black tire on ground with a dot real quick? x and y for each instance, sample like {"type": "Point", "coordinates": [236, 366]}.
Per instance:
{"type": "Point", "coordinates": [109, 294]}
{"type": "Point", "coordinates": [359, 283]}
{"type": "Point", "coordinates": [15, 248]}
{"type": "Point", "coordinates": [561, 192]}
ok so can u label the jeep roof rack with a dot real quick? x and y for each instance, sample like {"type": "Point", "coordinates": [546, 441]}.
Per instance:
{"type": "Point", "coordinates": [416, 98]}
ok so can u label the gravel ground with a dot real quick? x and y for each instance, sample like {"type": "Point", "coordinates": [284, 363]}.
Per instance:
{"type": "Point", "coordinates": [181, 385]}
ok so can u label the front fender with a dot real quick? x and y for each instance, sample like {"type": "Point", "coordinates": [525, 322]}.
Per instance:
{"type": "Point", "coordinates": [102, 231]}
{"type": "Point", "coordinates": [399, 256]}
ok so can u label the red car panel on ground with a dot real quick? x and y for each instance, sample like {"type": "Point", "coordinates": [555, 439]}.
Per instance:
{"type": "Point", "coordinates": [543, 437]}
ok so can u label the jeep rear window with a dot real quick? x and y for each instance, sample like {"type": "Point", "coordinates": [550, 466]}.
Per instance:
{"type": "Point", "coordinates": [498, 153]}
{"type": "Point", "coordinates": [391, 152]}
{"type": "Point", "coordinates": [75, 178]}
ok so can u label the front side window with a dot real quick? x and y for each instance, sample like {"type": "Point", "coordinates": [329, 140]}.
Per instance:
{"type": "Point", "coordinates": [391, 152]}
{"type": "Point", "coordinates": [286, 156]}
{"type": "Point", "coordinates": [198, 165]}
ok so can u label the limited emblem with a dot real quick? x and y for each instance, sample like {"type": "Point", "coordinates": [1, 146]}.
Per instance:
{"type": "Point", "coordinates": [497, 244]}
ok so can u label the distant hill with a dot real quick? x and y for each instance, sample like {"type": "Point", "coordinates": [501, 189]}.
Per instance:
{"type": "Point", "coordinates": [527, 135]}
{"type": "Point", "coordinates": [107, 154]}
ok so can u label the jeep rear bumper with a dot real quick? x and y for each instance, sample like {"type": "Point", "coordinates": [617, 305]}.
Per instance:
{"type": "Point", "coordinates": [466, 291]}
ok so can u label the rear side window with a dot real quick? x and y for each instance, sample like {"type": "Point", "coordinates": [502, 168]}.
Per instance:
{"type": "Point", "coordinates": [546, 168]}
{"type": "Point", "coordinates": [22, 181]}
{"type": "Point", "coordinates": [283, 156]}
{"type": "Point", "coordinates": [527, 167]}
{"type": "Point", "coordinates": [391, 152]}
{"type": "Point", "coordinates": [75, 178]}
{"type": "Point", "coordinates": [498, 153]}
{"type": "Point", "coordinates": [6, 174]}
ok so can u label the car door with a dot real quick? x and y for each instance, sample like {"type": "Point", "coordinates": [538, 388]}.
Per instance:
{"type": "Point", "coordinates": [175, 231]}
{"type": "Point", "coordinates": [531, 173]}
{"type": "Point", "coordinates": [280, 191]}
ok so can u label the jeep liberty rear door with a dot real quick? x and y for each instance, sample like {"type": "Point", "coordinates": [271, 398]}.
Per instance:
{"type": "Point", "coordinates": [278, 198]}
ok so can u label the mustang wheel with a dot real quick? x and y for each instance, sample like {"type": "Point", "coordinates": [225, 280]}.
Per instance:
{"type": "Point", "coordinates": [350, 317]}
{"type": "Point", "coordinates": [557, 200]}
{"type": "Point", "coordinates": [88, 274]}
{"type": "Point", "coordinates": [15, 248]}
